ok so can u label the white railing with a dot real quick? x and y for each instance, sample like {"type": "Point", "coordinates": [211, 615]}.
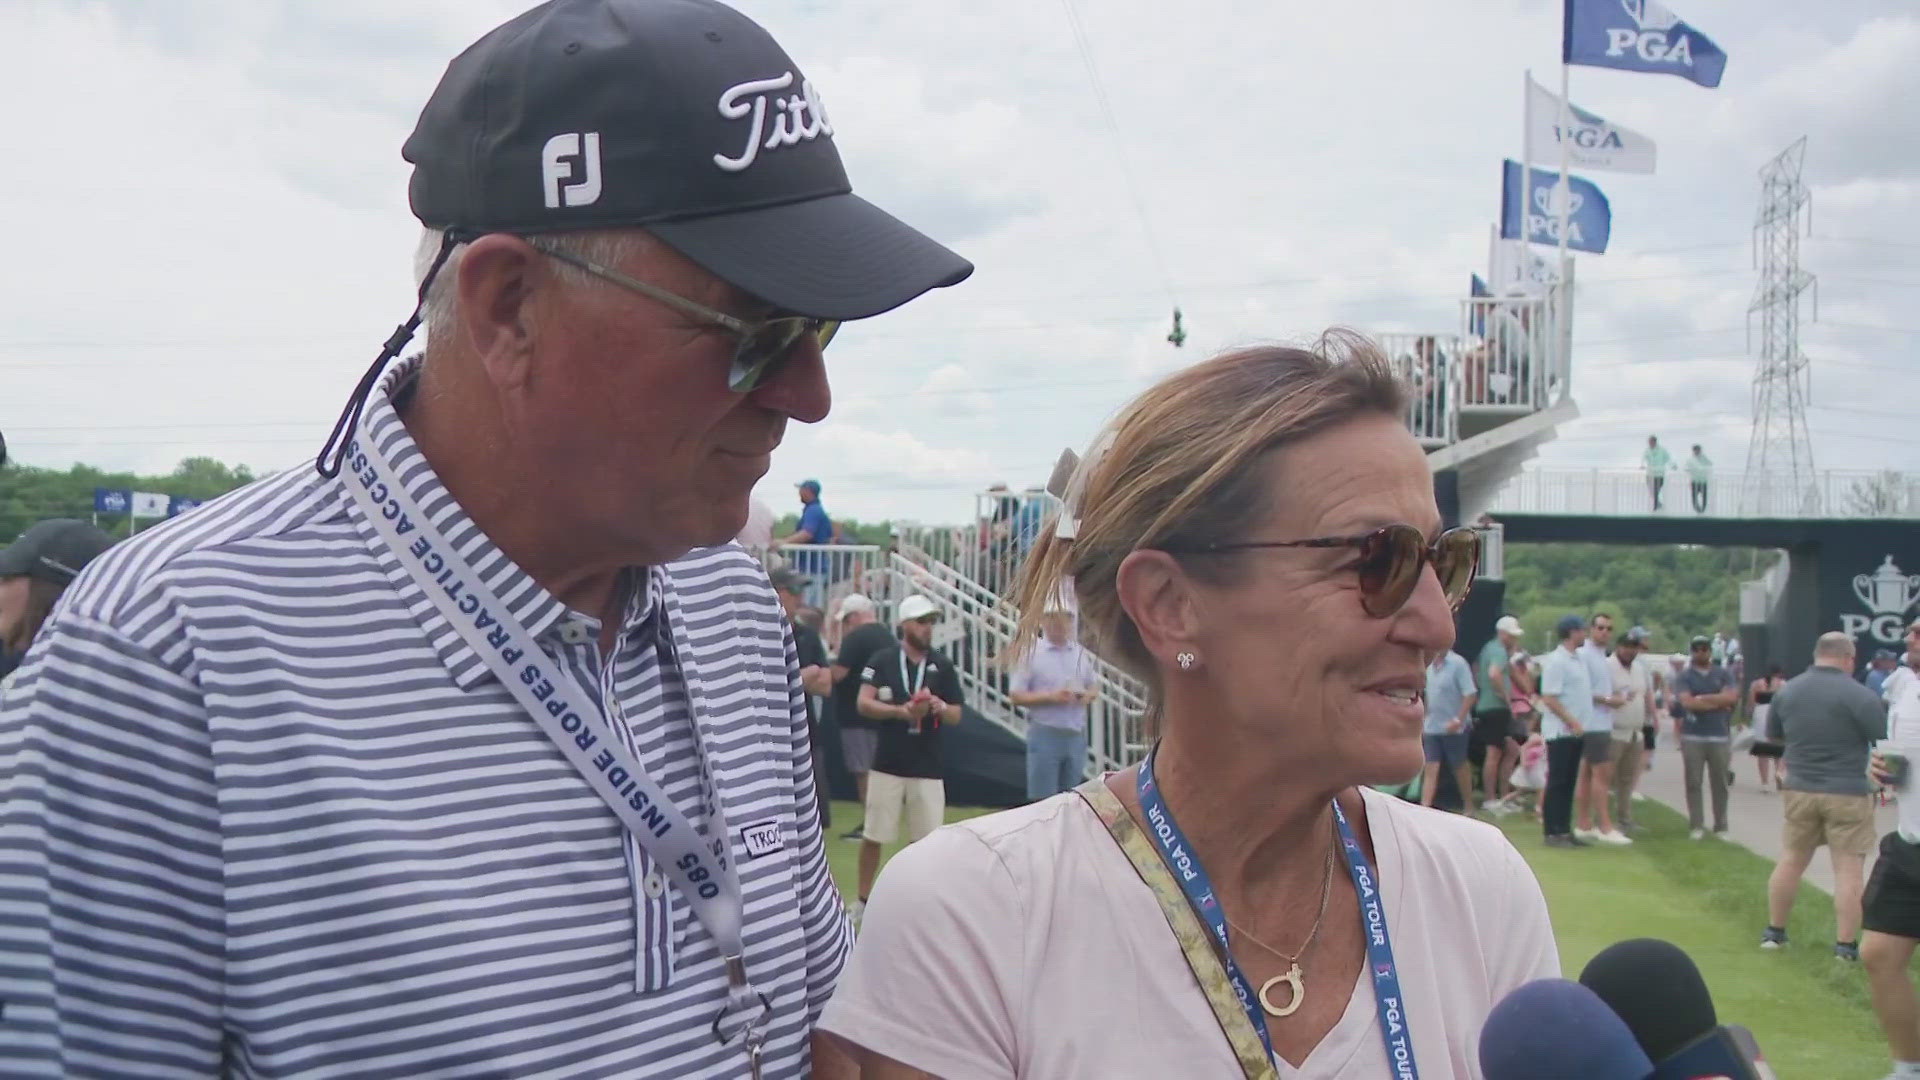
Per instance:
{"type": "Point", "coordinates": [978, 628]}
{"type": "Point", "coordinates": [1832, 493]}
{"type": "Point", "coordinates": [1430, 366]}
{"type": "Point", "coordinates": [1513, 354]}
{"type": "Point", "coordinates": [1493, 552]}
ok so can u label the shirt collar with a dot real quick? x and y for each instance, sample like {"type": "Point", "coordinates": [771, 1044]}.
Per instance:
{"type": "Point", "coordinates": [541, 613]}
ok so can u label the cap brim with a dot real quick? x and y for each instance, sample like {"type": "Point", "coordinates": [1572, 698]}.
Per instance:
{"type": "Point", "coordinates": [16, 560]}
{"type": "Point", "coordinates": [838, 257]}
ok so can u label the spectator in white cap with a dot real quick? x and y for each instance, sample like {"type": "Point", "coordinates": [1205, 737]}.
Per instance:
{"type": "Point", "coordinates": [862, 635]}
{"type": "Point", "coordinates": [1492, 742]}
{"type": "Point", "coordinates": [912, 692]}
{"type": "Point", "coordinates": [1055, 681]}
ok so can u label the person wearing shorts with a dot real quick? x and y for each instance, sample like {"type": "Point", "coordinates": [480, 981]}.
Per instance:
{"type": "Point", "coordinates": [1450, 695]}
{"type": "Point", "coordinates": [1891, 902]}
{"type": "Point", "coordinates": [1828, 723]}
{"type": "Point", "coordinates": [1595, 791]}
{"type": "Point", "coordinates": [1490, 744]}
{"type": "Point", "coordinates": [912, 691]}
{"type": "Point", "coordinates": [862, 635]}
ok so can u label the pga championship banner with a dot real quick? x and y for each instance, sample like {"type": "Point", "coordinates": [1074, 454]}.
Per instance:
{"type": "Point", "coordinates": [1589, 217]}
{"type": "Point", "coordinates": [1591, 143]}
{"type": "Point", "coordinates": [1638, 35]}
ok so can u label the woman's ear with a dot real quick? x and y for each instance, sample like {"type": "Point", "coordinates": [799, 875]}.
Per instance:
{"type": "Point", "coordinates": [1158, 596]}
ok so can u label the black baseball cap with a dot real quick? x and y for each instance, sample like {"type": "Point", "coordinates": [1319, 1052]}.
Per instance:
{"type": "Point", "coordinates": [54, 550]}
{"type": "Point", "coordinates": [1700, 641]}
{"type": "Point", "coordinates": [682, 117]}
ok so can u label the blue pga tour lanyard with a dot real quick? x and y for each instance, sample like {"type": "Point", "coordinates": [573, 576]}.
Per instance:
{"type": "Point", "coordinates": [1193, 880]}
{"type": "Point", "coordinates": [703, 870]}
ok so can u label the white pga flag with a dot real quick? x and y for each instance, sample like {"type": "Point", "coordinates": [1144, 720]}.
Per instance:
{"type": "Point", "coordinates": [1592, 143]}
{"type": "Point", "coordinates": [148, 504]}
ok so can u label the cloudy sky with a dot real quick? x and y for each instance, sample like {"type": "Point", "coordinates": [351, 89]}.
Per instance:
{"type": "Point", "coordinates": [208, 235]}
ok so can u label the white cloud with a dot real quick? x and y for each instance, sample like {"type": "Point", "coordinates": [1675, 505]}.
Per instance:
{"type": "Point", "coordinates": [216, 236]}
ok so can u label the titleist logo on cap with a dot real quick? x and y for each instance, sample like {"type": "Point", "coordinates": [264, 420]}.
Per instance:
{"type": "Point", "coordinates": [798, 117]}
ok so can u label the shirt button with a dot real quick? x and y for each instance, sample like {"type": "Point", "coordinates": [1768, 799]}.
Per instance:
{"type": "Point", "coordinates": [654, 883]}
{"type": "Point", "coordinates": [575, 633]}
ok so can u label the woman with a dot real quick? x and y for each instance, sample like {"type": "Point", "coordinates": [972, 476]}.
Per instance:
{"type": "Point", "coordinates": [1767, 753]}
{"type": "Point", "coordinates": [34, 571]}
{"type": "Point", "coordinates": [1258, 541]}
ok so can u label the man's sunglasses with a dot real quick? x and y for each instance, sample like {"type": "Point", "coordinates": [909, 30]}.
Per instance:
{"type": "Point", "coordinates": [1390, 562]}
{"type": "Point", "coordinates": [758, 345]}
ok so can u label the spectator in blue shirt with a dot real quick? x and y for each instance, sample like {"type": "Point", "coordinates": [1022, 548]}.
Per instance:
{"type": "Point", "coordinates": [815, 528]}
{"type": "Point", "coordinates": [1450, 696]}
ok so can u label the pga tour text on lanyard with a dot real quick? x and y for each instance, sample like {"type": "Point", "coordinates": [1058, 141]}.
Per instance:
{"type": "Point", "coordinates": [1194, 881]}
{"type": "Point", "coordinates": [703, 870]}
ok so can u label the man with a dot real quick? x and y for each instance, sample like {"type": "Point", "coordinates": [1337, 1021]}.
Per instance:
{"type": "Point", "coordinates": [1595, 788]}
{"type": "Point", "coordinates": [815, 678]}
{"type": "Point", "coordinates": [1450, 696]}
{"type": "Point", "coordinates": [1885, 663]}
{"type": "Point", "coordinates": [1055, 682]}
{"type": "Point", "coordinates": [1707, 696]}
{"type": "Point", "coordinates": [1566, 695]}
{"type": "Point", "coordinates": [913, 692]}
{"type": "Point", "coordinates": [862, 635]}
{"type": "Point", "coordinates": [815, 527]}
{"type": "Point", "coordinates": [1829, 723]}
{"type": "Point", "coordinates": [1492, 732]}
{"type": "Point", "coordinates": [1657, 462]}
{"type": "Point", "coordinates": [1891, 901]}
{"type": "Point", "coordinates": [1699, 472]}
{"type": "Point", "coordinates": [1633, 683]}
{"type": "Point", "coordinates": [446, 762]}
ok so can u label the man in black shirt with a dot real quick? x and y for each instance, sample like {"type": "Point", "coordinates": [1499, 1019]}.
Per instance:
{"type": "Point", "coordinates": [861, 636]}
{"type": "Point", "coordinates": [814, 677]}
{"type": "Point", "coordinates": [911, 692]}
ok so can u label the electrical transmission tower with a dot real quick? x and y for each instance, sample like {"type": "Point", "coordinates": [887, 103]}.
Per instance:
{"type": "Point", "coordinates": [1779, 454]}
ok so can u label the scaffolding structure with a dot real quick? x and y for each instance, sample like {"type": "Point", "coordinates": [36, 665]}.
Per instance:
{"type": "Point", "coordinates": [1779, 473]}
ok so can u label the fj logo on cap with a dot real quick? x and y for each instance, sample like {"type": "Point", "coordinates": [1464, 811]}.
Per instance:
{"type": "Point", "coordinates": [557, 169]}
{"type": "Point", "coordinates": [799, 117]}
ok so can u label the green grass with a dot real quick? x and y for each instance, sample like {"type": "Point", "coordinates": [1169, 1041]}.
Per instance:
{"type": "Point", "coordinates": [1809, 1011]}
{"type": "Point", "coordinates": [843, 856]}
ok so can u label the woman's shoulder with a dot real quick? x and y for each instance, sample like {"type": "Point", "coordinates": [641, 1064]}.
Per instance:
{"type": "Point", "coordinates": [1008, 847]}
{"type": "Point", "coordinates": [1435, 846]}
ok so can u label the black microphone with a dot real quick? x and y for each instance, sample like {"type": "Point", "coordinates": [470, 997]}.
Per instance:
{"type": "Point", "coordinates": [1553, 1029]}
{"type": "Point", "coordinates": [1657, 990]}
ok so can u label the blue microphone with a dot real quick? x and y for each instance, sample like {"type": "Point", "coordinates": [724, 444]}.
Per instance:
{"type": "Point", "coordinates": [1556, 1029]}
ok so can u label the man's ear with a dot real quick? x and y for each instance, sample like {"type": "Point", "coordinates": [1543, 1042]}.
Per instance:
{"type": "Point", "coordinates": [1159, 597]}
{"type": "Point", "coordinates": [498, 278]}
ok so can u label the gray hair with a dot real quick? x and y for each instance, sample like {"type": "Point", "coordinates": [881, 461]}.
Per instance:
{"type": "Point", "coordinates": [605, 246]}
{"type": "Point", "coordinates": [1833, 645]}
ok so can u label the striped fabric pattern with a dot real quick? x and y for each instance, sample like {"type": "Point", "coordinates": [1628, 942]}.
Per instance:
{"type": "Point", "coordinates": [264, 814]}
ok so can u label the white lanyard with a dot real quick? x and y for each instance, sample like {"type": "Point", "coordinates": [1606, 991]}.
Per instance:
{"type": "Point", "coordinates": [703, 870]}
{"type": "Point", "coordinates": [917, 683]}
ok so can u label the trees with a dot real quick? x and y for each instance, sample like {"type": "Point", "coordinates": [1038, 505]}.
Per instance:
{"type": "Point", "coordinates": [1673, 591]}
{"type": "Point", "coordinates": [29, 494]}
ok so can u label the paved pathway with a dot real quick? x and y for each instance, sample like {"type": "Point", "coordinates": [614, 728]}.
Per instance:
{"type": "Point", "coordinates": [1753, 816]}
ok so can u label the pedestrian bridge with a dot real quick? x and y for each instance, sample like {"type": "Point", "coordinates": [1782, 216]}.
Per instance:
{"type": "Point", "coordinates": [1834, 494]}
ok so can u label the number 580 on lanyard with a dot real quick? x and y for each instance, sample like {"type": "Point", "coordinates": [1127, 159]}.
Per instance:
{"type": "Point", "coordinates": [704, 872]}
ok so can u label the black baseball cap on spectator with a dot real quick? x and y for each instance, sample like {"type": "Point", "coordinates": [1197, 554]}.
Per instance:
{"type": "Point", "coordinates": [1568, 624]}
{"type": "Point", "coordinates": [1636, 636]}
{"type": "Point", "coordinates": [54, 550]}
{"type": "Point", "coordinates": [682, 117]}
{"type": "Point", "coordinates": [1700, 641]}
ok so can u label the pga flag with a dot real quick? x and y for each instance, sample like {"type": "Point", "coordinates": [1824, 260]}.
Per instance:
{"type": "Point", "coordinates": [1592, 143]}
{"type": "Point", "coordinates": [1589, 218]}
{"type": "Point", "coordinates": [149, 504]}
{"type": "Point", "coordinates": [1638, 35]}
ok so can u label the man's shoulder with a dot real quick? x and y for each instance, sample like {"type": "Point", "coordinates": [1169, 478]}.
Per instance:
{"type": "Point", "coordinates": [260, 528]}
{"type": "Point", "coordinates": [883, 655]}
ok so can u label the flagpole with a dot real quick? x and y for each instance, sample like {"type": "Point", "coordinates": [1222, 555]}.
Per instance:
{"type": "Point", "coordinates": [1526, 171]}
{"type": "Point", "coordinates": [1566, 163]}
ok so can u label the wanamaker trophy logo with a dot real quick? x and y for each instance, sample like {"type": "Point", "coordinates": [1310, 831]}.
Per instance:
{"type": "Point", "coordinates": [1889, 595]}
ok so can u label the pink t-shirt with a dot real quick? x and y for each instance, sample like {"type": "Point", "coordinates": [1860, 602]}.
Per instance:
{"type": "Point", "coordinates": [1024, 945]}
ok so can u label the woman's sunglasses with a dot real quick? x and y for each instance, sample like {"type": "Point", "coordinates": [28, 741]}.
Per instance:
{"type": "Point", "coordinates": [758, 345]}
{"type": "Point", "coordinates": [1390, 562]}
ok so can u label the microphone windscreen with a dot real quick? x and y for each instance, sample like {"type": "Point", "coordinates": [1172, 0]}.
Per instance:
{"type": "Point", "coordinates": [1656, 989]}
{"type": "Point", "coordinates": [1555, 1029]}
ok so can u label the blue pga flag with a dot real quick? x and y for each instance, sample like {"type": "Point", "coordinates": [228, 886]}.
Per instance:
{"type": "Point", "coordinates": [1589, 218]}
{"type": "Point", "coordinates": [1638, 35]}
{"type": "Point", "coordinates": [180, 504]}
{"type": "Point", "coordinates": [109, 501]}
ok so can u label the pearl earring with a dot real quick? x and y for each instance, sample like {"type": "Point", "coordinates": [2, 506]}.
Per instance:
{"type": "Point", "coordinates": [1186, 660]}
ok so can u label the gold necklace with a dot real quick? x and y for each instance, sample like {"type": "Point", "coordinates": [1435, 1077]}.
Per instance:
{"type": "Point", "coordinates": [1293, 978]}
